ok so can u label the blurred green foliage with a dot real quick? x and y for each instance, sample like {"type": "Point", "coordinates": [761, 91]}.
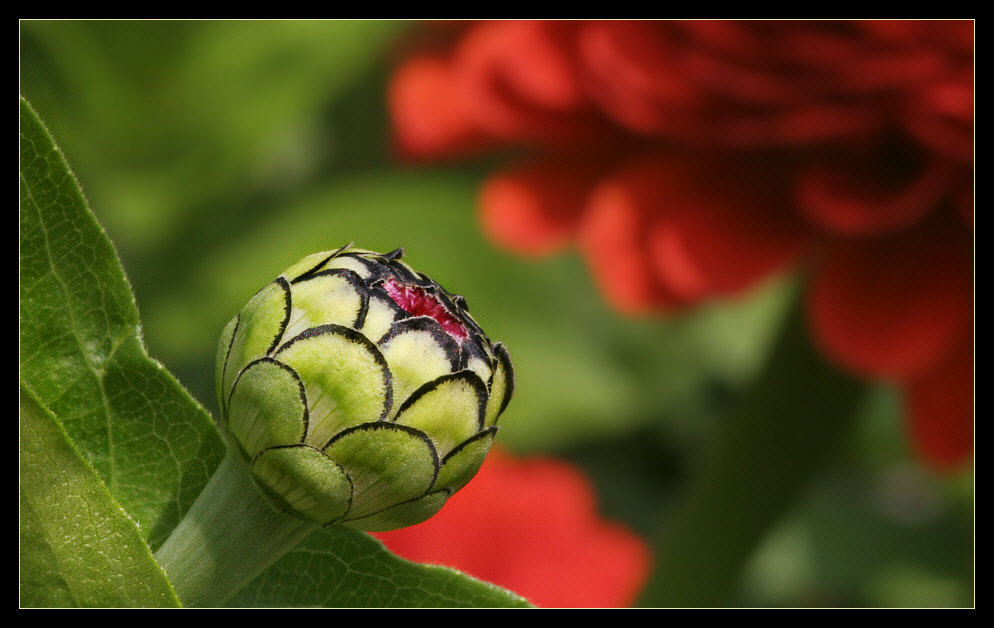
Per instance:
{"type": "Point", "coordinates": [216, 153]}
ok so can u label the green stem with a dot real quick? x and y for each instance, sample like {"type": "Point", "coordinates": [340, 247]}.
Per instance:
{"type": "Point", "coordinates": [791, 421]}
{"type": "Point", "coordinates": [229, 536]}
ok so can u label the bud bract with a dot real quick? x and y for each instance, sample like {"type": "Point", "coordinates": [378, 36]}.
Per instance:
{"type": "Point", "coordinates": [361, 392]}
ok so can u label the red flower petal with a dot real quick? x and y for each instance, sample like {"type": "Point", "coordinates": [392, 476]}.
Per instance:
{"type": "Point", "coordinates": [428, 113]}
{"type": "Point", "coordinates": [631, 74]}
{"type": "Point", "coordinates": [754, 89]}
{"type": "Point", "coordinates": [538, 64]}
{"type": "Point", "coordinates": [806, 124]}
{"type": "Point", "coordinates": [534, 210]}
{"type": "Point", "coordinates": [718, 232]}
{"type": "Point", "coordinates": [531, 526]}
{"type": "Point", "coordinates": [941, 115]}
{"type": "Point", "coordinates": [613, 236]}
{"type": "Point", "coordinates": [518, 80]}
{"type": "Point", "coordinates": [894, 307]}
{"type": "Point", "coordinates": [964, 204]}
{"type": "Point", "coordinates": [941, 411]}
{"type": "Point", "coordinates": [872, 195]}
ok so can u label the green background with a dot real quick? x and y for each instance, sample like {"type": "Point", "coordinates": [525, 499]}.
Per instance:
{"type": "Point", "coordinates": [217, 153]}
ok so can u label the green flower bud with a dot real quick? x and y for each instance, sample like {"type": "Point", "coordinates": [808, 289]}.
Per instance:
{"type": "Point", "coordinates": [359, 391]}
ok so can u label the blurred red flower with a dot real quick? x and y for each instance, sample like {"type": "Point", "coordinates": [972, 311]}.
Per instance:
{"type": "Point", "coordinates": [691, 160]}
{"type": "Point", "coordinates": [531, 525]}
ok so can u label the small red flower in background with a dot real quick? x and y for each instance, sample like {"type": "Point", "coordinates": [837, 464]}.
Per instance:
{"type": "Point", "coordinates": [531, 526]}
{"type": "Point", "coordinates": [691, 160]}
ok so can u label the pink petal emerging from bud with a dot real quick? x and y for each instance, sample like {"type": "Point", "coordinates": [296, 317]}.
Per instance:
{"type": "Point", "coordinates": [416, 301]}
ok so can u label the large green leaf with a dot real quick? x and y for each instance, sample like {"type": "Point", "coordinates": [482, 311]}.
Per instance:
{"type": "Point", "coordinates": [336, 567]}
{"type": "Point", "coordinates": [82, 354]}
{"type": "Point", "coordinates": [62, 499]}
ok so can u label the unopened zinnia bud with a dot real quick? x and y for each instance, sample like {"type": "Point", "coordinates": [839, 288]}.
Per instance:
{"type": "Point", "coordinates": [354, 391]}
{"type": "Point", "coordinates": [359, 391]}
